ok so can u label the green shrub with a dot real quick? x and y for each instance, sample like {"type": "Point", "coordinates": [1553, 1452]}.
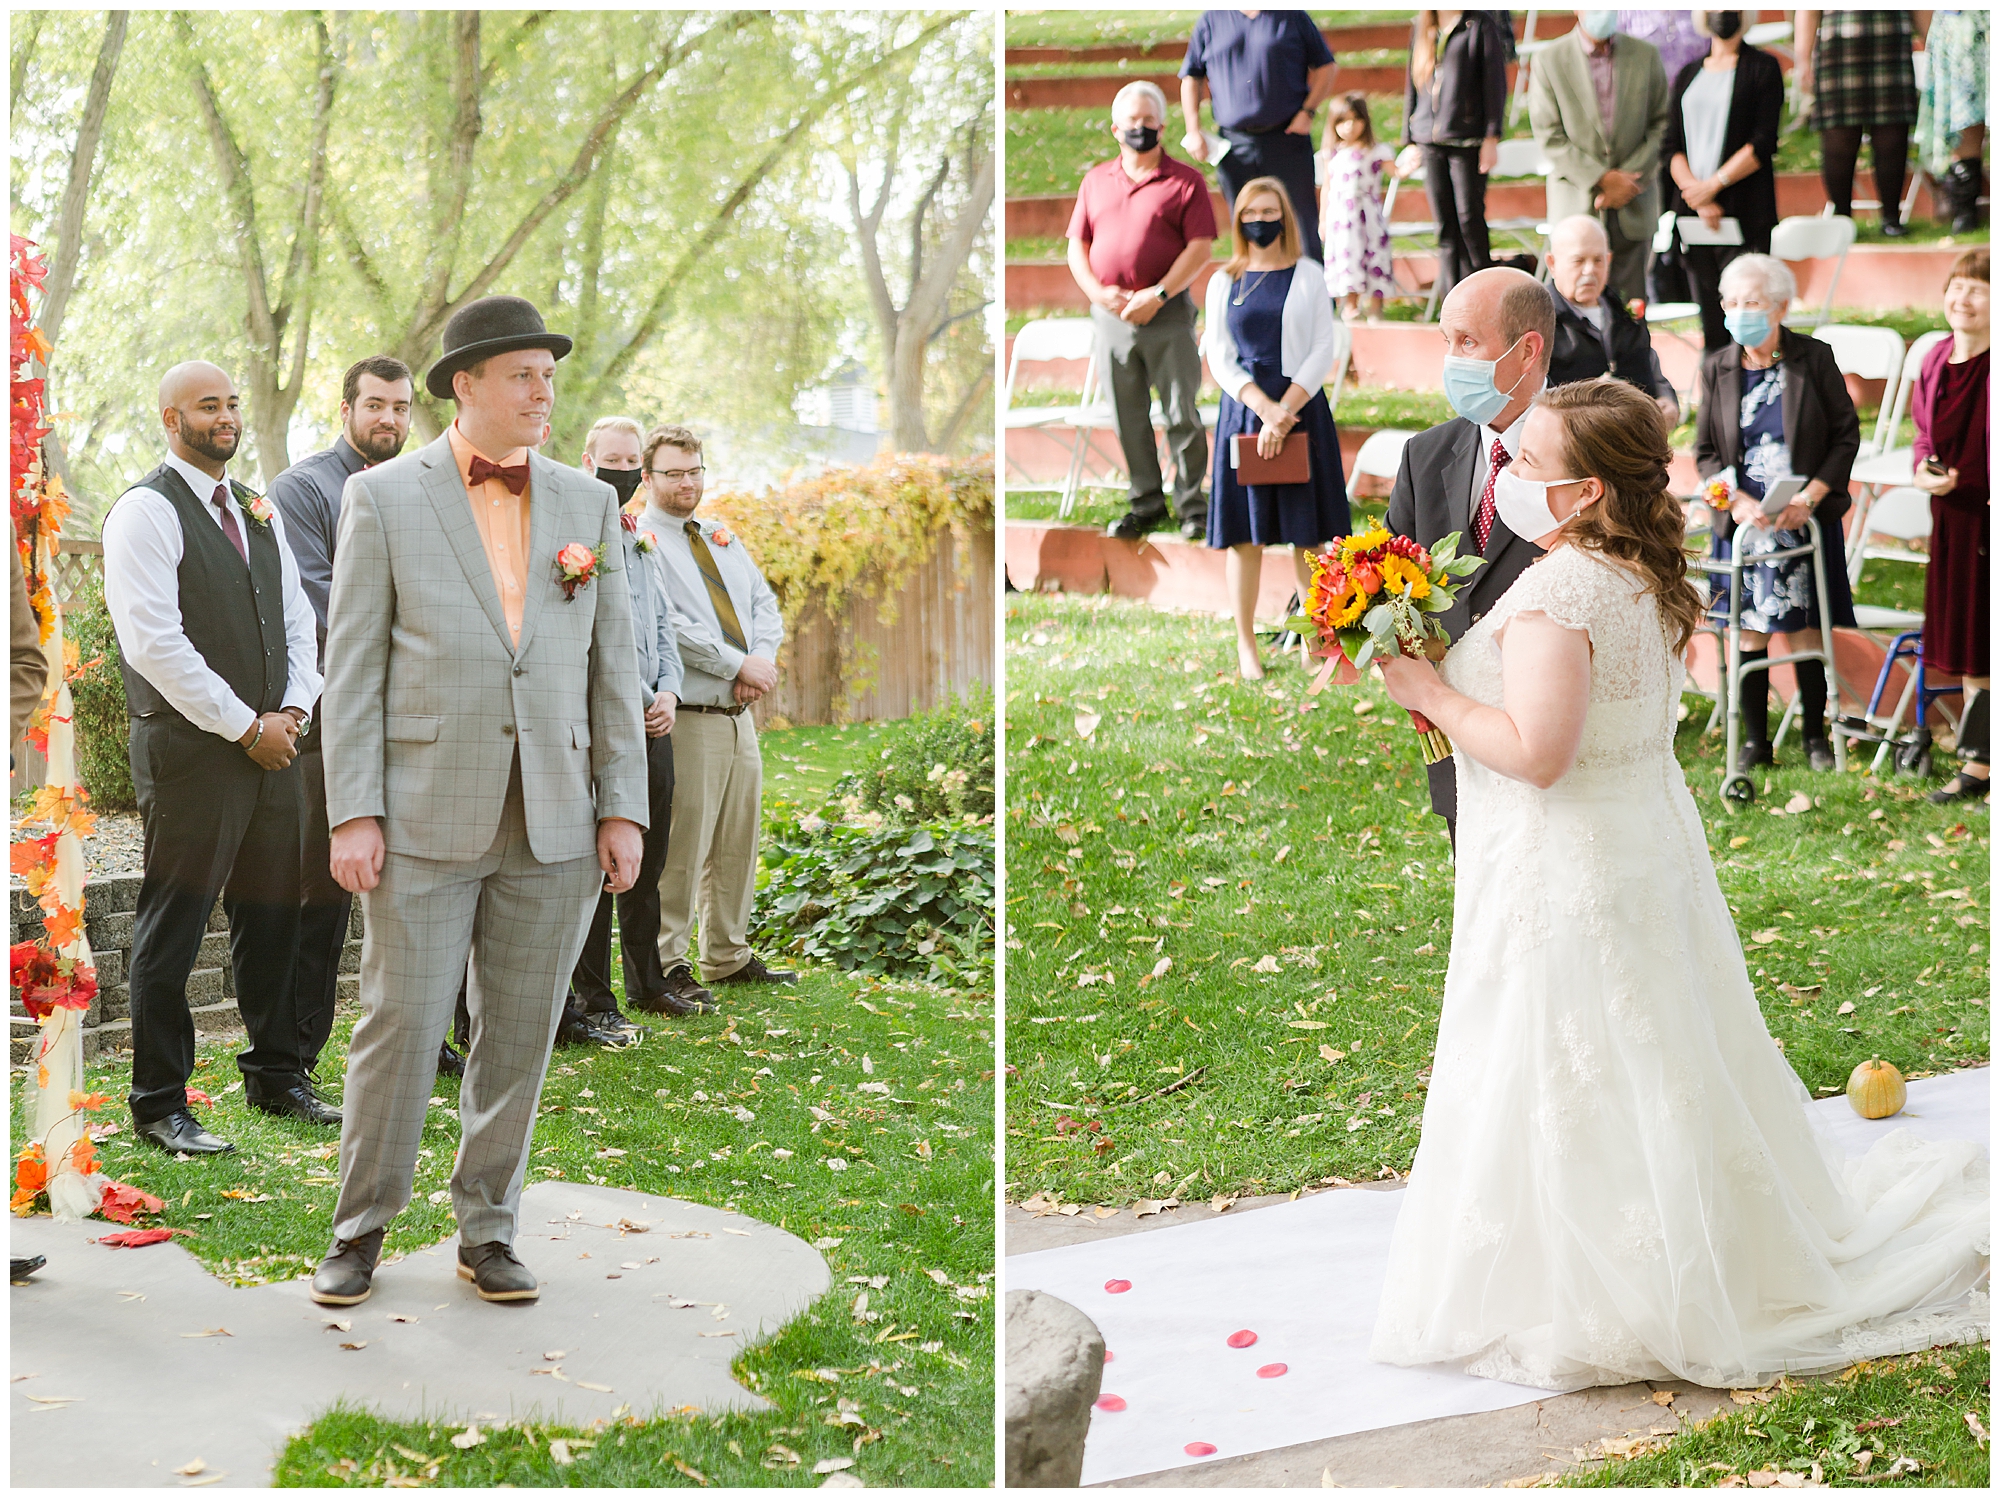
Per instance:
{"type": "Point", "coordinates": [97, 697]}
{"type": "Point", "coordinates": [903, 902]}
{"type": "Point", "coordinates": [938, 764]}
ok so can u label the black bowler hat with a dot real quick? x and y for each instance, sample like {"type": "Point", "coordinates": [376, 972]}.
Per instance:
{"type": "Point", "coordinates": [491, 325]}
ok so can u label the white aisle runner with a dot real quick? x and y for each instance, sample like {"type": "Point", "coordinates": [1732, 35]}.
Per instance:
{"type": "Point", "coordinates": [1248, 1333]}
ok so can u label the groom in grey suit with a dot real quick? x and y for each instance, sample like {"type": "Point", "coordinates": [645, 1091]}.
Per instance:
{"type": "Point", "coordinates": [486, 777]}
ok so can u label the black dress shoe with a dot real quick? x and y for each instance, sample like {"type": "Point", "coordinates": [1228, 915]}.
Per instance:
{"type": "Point", "coordinates": [754, 971]}
{"type": "Point", "coordinates": [1754, 752]}
{"type": "Point", "coordinates": [450, 1063]}
{"type": "Point", "coordinates": [1895, 231]}
{"type": "Point", "coordinates": [584, 1029]}
{"type": "Point", "coordinates": [297, 1101]}
{"type": "Point", "coordinates": [1962, 787]}
{"type": "Point", "coordinates": [346, 1276]}
{"type": "Point", "coordinates": [20, 1270]}
{"type": "Point", "coordinates": [496, 1273]}
{"type": "Point", "coordinates": [1194, 530]}
{"type": "Point", "coordinates": [1127, 528]}
{"type": "Point", "coordinates": [613, 1019]}
{"type": "Point", "coordinates": [179, 1134]}
{"type": "Point", "coordinates": [680, 993]}
{"type": "Point", "coordinates": [1819, 754]}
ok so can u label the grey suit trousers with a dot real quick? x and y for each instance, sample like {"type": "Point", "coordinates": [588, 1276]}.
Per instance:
{"type": "Point", "coordinates": [522, 923]}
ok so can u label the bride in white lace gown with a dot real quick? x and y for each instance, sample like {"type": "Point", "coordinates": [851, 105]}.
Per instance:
{"type": "Point", "coordinates": [1619, 1176]}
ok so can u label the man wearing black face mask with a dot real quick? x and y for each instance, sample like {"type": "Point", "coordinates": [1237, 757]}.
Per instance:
{"type": "Point", "coordinates": [612, 452]}
{"type": "Point", "coordinates": [375, 421]}
{"type": "Point", "coordinates": [1139, 236]}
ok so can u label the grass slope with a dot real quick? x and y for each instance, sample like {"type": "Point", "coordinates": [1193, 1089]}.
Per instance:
{"type": "Point", "coordinates": [1853, 1430]}
{"type": "Point", "coordinates": [1229, 915]}
{"type": "Point", "coordinates": [915, 1197]}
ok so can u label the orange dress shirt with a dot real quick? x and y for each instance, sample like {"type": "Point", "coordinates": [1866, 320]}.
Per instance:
{"type": "Point", "coordinates": [502, 518]}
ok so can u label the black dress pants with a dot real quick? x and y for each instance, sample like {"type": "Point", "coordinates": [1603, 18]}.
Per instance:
{"type": "Point", "coordinates": [1289, 158]}
{"type": "Point", "coordinates": [215, 824]}
{"type": "Point", "coordinates": [324, 909]}
{"type": "Point", "coordinates": [1457, 190]}
{"type": "Point", "coordinates": [638, 908]}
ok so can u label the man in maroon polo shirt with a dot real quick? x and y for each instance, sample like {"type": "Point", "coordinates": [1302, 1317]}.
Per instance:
{"type": "Point", "coordinates": [1141, 233]}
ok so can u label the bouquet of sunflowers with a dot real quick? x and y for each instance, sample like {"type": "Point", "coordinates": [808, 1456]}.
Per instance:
{"type": "Point", "coordinates": [1374, 594]}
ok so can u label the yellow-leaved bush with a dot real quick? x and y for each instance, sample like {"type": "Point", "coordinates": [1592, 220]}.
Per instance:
{"type": "Point", "coordinates": [851, 533]}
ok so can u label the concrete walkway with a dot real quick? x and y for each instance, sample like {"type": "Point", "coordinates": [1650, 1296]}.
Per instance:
{"type": "Point", "coordinates": [645, 1303]}
{"type": "Point", "coordinates": [1559, 1433]}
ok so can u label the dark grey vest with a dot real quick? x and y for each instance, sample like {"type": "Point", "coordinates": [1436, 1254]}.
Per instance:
{"type": "Point", "coordinates": [233, 615]}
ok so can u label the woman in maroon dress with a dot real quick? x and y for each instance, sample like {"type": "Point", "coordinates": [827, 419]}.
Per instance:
{"type": "Point", "coordinates": [1950, 408]}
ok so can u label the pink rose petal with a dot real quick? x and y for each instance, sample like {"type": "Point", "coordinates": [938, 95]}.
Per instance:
{"type": "Point", "coordinates": [1116, 1287]}
{"type": "Point", "coordinates": [1242, 1339]}
{"type": "Point", "coordinates": [1108, 1354]}
{"type": "Point", "coordinates": [1198, 1448]}
{"type": "Point", "coordinates": [1272, 1370]}
{"type": "Point", "coordinates": [1111, 1403]}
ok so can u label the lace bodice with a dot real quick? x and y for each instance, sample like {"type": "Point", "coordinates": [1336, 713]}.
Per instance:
{"type": "Point", "coordinates": [1635, 680]}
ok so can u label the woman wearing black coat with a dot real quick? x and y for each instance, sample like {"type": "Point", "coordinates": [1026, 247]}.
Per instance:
{"type": "Point", "coordinates": [1774, 406]}
{"type": "Point", "coordinates": [1455, 106]}
{"type": "Point", "coordinates": [1721, 165]}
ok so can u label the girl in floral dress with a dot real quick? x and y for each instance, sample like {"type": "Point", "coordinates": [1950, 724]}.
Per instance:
{"type": "Point", "coordinates": [1353, 226]}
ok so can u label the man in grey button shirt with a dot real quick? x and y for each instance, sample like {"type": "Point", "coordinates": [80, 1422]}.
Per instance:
{"type": "Point", "coordinates": [375, 421]}
{"type": "Point", "coordinates": [729, 628]}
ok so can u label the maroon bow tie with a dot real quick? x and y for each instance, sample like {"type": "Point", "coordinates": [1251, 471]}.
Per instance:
{"type": "Point", "coordinates": [516, 479]}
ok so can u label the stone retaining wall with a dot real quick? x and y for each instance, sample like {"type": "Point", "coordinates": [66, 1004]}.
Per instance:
{"type": "Point", "coordinates": [107, 919]}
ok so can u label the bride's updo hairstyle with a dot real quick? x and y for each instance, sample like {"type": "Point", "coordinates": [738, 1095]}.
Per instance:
{"type": "Point", "coordinates": [1614, 433]}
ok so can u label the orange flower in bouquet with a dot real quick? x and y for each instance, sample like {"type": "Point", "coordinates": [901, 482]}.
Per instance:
{"type": "Point", "coordinates": [1375, 593]}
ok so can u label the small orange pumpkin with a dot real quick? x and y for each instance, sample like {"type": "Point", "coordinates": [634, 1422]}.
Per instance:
{"type": "Point", "coordinates": [1876, 1089]}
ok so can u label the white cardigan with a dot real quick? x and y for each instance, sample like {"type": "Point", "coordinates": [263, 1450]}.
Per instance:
{"type": "Point", "coordinates": [1305, 351]}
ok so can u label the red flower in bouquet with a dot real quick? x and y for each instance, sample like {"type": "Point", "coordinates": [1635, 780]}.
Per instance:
{"type": "Point", "coordinates": [1376, 593]}
{"type": "Point", "coordinates": [576, 567]}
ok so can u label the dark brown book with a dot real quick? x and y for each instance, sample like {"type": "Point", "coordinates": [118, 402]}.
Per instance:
{"type": "Point", "coordinates": [1293, 465]}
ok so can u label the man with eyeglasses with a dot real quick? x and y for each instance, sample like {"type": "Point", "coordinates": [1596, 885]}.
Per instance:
{"type": "Point", "coordinates": [729, 629]}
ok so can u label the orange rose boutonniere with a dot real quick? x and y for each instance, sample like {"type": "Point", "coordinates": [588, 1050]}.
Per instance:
{"type": "Point", "coordinates": [721, 537]}
{"type": "Point", "coordinates": [576, 567]}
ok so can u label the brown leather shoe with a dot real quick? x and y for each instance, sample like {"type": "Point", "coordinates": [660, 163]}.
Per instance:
{"type": "Point", "coordinates": [680, 994]}
{"type": "Point", "coordinates": [754, 971]}
{"type": "Point", "coordinates": [495, 1273]}
{"type": "Point", "coordinates": [346, 1276]}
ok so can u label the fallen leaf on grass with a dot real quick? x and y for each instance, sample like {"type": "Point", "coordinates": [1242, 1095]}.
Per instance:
{"type": "Point", "coordinates": [1751, 1396]}
{"type": "Point", "coordinates": [559, 1453]}
{"type": "Point", "coordinates": [1328, 1053]}
{"type": "Point", "coordinates": [1764, 938]}
{"type": "Point", "coordinates": [473, 1436]}
{"type": "Point", "coordinates": [686, 1471]}
{"type": "Point", "coordinates": [1086, 722]}
{"type": "Point", "coordinates": [1800, 802]}
{"type": "Point", "coordinates": [1978, 1431]}
{"type": "Point", "coordinates": [1663, 1397]}
{"type": "Point", "coordinates": [1846, 1008]}
{"type": "Point", "coordinates": [422, 1458]}
{"type": "Point", "coordinates": [832, 1464]}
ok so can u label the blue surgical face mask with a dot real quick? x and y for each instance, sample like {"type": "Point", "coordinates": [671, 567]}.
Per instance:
{"type": "Point", "coordinates": [1470, 387]}
{"type": "Point", "coordinates": [1598, 24]}
{"type": "Point", "coordinates": [1748, 326]}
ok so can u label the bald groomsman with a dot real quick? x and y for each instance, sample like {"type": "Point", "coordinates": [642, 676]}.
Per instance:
{"type": "Point", "coordinates": [215, 639]}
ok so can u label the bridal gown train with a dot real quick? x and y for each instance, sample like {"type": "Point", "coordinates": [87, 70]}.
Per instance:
{"type": "Point", "coordinates": [1619, 1177]}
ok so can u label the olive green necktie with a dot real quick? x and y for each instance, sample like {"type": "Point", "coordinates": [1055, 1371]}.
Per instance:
{"type": "Point", "coordinates": [725, 611]}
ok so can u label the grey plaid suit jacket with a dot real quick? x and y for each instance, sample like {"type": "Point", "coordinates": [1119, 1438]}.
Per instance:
{"type": "Point", "coordinates": [427, 698]}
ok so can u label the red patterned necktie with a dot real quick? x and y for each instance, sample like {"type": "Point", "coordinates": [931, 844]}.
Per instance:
{"type": "Point", "coordinates": [229, 526]}
{"type": "Point", "coordinates": [516, 479]}
{"type": "Point", "coordinates": [1482, 523]}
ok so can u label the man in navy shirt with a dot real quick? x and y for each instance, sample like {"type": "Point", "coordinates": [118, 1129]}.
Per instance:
{"type": "Point", "coordinates": [1267, 72]}
{"type": "Point", "coordinates": [375, 422]}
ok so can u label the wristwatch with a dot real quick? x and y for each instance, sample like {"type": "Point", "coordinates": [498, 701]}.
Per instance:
{"type": "Point", "coordinates": [1164, 295]}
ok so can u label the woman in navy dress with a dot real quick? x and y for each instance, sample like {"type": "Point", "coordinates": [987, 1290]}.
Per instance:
{"type": "Point", "coordinates": [1269, 341]}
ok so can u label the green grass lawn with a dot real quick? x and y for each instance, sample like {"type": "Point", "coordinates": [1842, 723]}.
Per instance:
{"type": "Point", "coordinates": [917, 1197]}
{"type": "Point", "coordinates": [1144, 28]}
{"type": "Point", "coordinates": [1274, 860]}
{"type": "Point", "coordinates": [1897, 1410]}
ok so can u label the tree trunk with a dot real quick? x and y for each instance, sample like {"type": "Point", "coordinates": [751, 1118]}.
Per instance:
{"type": "Point", "coordinates": [69, 222]}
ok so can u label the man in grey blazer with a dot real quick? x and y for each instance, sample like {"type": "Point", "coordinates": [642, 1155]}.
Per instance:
{"type": "Point", "coordinates": [486, 772]}
{"type": "Point", "coordinates": [1599, 107]}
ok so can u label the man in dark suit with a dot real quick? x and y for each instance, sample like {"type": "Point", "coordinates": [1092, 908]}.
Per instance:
{"type": "Point", "coordinates": [1595, 335]}
{"type": "Point", "coordinates": [1497, 324]}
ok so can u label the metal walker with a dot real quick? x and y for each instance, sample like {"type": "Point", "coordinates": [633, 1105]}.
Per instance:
{"type": "Point", "coordinates": [1737, 787]}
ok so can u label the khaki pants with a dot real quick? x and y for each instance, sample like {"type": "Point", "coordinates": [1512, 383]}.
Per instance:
{"type": "Point", "coordinates": [712, 855]}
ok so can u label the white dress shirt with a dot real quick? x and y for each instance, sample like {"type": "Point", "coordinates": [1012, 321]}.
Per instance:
{"type": "Point", "coordinates": [1509, 439]}
{"type": "Point", "coordinates": [711, 662]}
{"type": "Point", "coordinates": [142, 558]}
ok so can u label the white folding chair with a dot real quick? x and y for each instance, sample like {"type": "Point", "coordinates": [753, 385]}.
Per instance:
{"type": "Point", "coordinates": [1868, 354]}
{"type": "Point", "coordinates": [1902, 515]}
{"type": "Point", "coordinates": [1522, 158]}
{"type": "Point", "coordinates": [1819, 237]}
{"type": "Point", "coordinates": [1891, 466]}
{"type": "Point", "coordinates": [1048, 340]}
{"type": "Point", "coordinates": [1381, 455]}
{"type": "Point", "coordinates": [1411, 230]}
{"type": "Point", "coordinates": [1343, 357]}
{"type": "Point", "coordinates": [1525, 51]}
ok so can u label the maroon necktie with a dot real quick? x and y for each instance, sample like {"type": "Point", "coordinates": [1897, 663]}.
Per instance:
{"type": "Point", "coordinates": [229, 526]}
{"type": "Point", "coordinates": [1482, 523]}
{"type": "Point", "coordinates": [516, 479]}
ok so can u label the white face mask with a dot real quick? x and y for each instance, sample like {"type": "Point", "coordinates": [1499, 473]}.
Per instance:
{"type": "Point", "coordinates": [1524, 504]}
